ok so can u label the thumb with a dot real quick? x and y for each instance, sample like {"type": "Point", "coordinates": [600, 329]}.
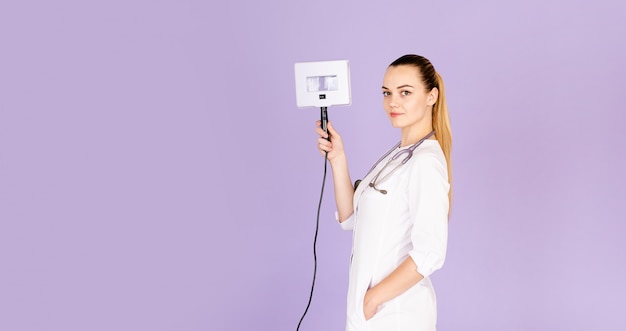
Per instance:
{"type": "Point", "coordinates": [331, 129]}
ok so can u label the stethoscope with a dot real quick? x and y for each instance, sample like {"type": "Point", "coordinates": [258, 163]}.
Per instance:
{"type": "Point", "coordinates": [407, 157]}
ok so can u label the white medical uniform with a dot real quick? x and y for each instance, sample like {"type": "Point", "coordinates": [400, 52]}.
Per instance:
{"type": "Point", "coordinates": [410, 220]}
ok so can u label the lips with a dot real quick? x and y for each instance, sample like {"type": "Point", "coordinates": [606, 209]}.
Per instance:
{"type": "Point", "coordinates": [395, 114]}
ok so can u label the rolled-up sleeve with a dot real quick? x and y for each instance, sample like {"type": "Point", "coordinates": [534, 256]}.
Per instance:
{"type": "Point", "coordinates": [347, 224]}
{"type": "Point", "coordinates": [428, 208]}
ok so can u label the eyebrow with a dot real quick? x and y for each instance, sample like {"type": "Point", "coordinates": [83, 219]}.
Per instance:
{"type": "Point", "coordinates": [399, 87]}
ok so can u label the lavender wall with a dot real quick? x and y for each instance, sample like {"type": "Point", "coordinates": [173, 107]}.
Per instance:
{"type": "Point", "coordinates": [155, 173]}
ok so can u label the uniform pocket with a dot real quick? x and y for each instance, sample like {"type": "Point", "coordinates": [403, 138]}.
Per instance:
{"type": "Point", "coordinates": [361, 301]}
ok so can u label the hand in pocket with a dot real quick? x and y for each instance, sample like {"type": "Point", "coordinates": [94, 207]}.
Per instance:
{"type": "Point", "coordinates": [370, 307]}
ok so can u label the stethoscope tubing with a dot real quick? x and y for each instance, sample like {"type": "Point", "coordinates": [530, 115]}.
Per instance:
{"type": "Point", "coordinates": [406, 159]}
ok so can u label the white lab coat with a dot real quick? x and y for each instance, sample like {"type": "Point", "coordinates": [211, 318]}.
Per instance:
{"type": "Point", "coordinates": [410, 220]}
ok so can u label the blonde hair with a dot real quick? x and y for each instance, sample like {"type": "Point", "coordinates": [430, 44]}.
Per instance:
{"type": "Point", "coordinates": [441, 120]}
{"type": "Point", "coordinates": [441, 125]}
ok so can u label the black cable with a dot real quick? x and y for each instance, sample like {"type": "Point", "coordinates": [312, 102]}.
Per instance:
{"type": "Point", "coordinates": [317, 223]}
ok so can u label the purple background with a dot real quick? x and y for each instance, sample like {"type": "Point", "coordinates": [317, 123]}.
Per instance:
{"type": "Point", "coordinates": [155, 173]}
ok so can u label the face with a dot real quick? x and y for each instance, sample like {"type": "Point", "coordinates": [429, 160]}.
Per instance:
{"type": "Point", "coordinates": [407, 102]}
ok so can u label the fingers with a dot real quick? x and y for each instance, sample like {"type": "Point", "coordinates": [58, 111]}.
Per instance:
{"type": "Point", "coordinates": [324, 145]}
{"type": "Point", "coordinates": [319, 130]}
{"type": "Point", "coordinates": [328, 142]}
{"type": "Point", "coordinates": [322, 133]}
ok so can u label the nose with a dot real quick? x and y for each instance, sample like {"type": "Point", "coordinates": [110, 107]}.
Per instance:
{"type": "Point", "coordinates": [393, 101]}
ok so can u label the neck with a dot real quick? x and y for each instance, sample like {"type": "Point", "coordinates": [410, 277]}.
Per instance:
{"type": "Point", "coordinates": [410, 137]}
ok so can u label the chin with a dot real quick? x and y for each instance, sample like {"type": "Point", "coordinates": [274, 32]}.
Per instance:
{"type": "Point", "coordinates": [395, 123]}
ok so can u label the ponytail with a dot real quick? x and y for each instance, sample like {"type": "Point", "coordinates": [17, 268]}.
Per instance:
{"type": "Point", "coordinates": [441, 125]}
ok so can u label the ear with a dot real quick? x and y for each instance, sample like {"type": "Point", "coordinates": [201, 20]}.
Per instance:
{"type": "Point", "coordinates": [432, 96]}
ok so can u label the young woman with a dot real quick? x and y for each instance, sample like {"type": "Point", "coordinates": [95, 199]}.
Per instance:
{"type": "Point", "coordinates": [399, 211]}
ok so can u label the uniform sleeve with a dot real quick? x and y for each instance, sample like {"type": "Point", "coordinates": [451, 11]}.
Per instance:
{"type": "Point", "coordinates": [428, 208]}
{"type": "Point", "coordinates": [348, 224]}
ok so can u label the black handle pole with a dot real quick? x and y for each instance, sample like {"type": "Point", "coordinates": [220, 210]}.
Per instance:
{"type": "Point", "coordinates": [324, 115]}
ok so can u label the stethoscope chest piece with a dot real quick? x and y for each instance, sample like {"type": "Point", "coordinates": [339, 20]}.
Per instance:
{"type": "Point", "coordinates": [377, 189]}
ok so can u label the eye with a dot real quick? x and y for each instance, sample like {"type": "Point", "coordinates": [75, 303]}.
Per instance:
{"type": "Point", "coordinates": [386, 93]}
{"type": "Point", "coordinates": [405, 92]}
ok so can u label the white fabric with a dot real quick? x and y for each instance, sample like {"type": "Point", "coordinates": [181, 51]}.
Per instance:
{"type": "Point", "coordinates": [410, 220]}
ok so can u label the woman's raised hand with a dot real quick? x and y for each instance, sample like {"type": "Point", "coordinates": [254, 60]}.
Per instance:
{"type": "Point", "coordinates": [334, 147]}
